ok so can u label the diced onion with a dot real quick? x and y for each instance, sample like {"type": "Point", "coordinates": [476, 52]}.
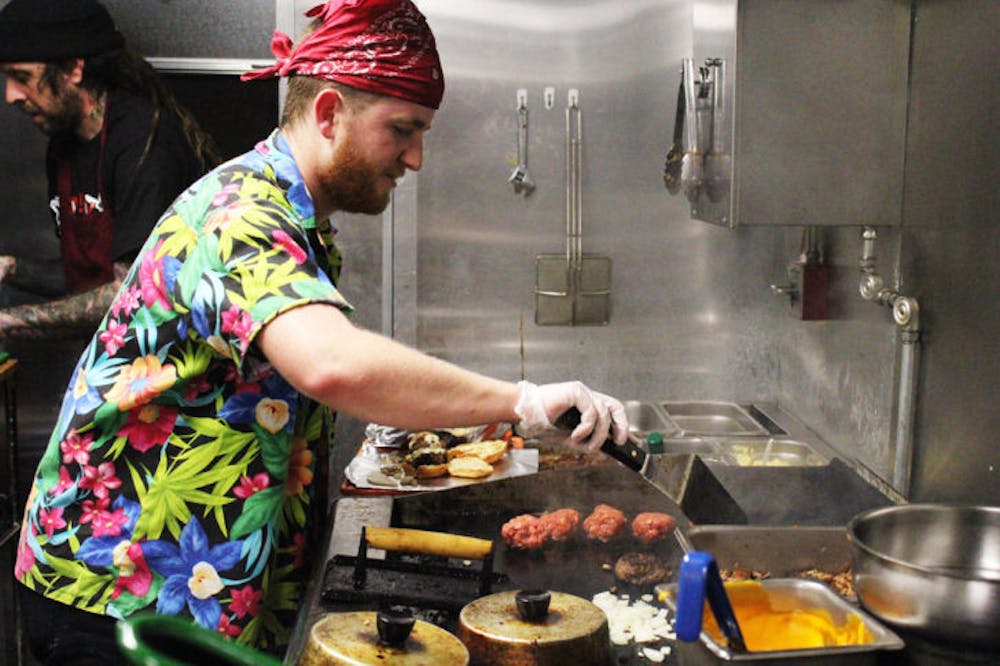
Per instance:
{"type": "Point", "coordinates": [634, 621]}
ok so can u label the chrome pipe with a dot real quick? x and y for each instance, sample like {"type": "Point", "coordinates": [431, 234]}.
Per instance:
{"type": "Point", "coordinates": [906, 409]}
{"type": "Point", "coordinates": [906, 315]}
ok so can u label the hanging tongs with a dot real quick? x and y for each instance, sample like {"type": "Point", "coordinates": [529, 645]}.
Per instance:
{"type": "Point", "coordinates": [672, 164]}
{"type": "Point", "coordinates": [718, 163]}
{"type": "Point", "coordinates": [520, 178]}
{"type": "Point", "coordinates": [691, 163]}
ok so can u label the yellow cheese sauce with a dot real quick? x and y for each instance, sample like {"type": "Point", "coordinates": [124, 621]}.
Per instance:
{"type": "Point", "coordinates": [768, 625]}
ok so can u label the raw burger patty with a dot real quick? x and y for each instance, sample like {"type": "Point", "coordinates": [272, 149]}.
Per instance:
{"type": "Point", "coordinates": [651, 526]}
{"type": "Point", "coordinates": [604, 523]}
{"type": "Point", "coordinates": [525, 531]}
{"type": "Point", "coordinates": [562, 523]}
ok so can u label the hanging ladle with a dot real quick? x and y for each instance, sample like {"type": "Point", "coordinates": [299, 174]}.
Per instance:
{"type": "Point", "coordinates": [520, 178]}
{"type": "Point", "coordinates": [699, 579]}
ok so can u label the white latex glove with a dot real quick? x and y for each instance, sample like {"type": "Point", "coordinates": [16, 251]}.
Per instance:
{"type": "Point", "coordinates": [601, 416]}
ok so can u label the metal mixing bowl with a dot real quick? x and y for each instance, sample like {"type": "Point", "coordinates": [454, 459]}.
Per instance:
{"type": "Point", "coordinates": [930, 568]}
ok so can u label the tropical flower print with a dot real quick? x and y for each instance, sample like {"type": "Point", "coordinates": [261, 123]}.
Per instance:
{"type": "Point", "coordinates": [272, 415]}
{"type": "Point", "coordinates": [250, 486]}
{"type": "Point", "coordinates": [239, 323]}
{"type": "Point", "coordinates": [179, 476]}
{"type": "Point", "coordinates": [155, 272]}
{"type": "Point", "coordinates": [64, 483]}
{"type": "Point", "coordinates": [300, 472]}
{"type": "Point", "coordinates": [25, 556]}
{"type": "Point", "coordinates": [114, 337]}
{"type": "Point", "coordinates": [226, 628]}
{"type": "Point", "coordinates": [134, 575]}
{"type": "Point", "coordinates": [76, 448]}
{"type": "Point", "coordinates": [246, 601]}
{"type": "Point", "coordinates": [141, 382]}
{"type": "Point", "coordinates": [51, 520]}
{"type": "Point", "coordinates": [100, 479]}
{"type": "Point", "coordinates": [126, 303]}
{"type": "Point", "coordinates": [149, 425]}
{"type": "Point", "coordinates": [92, 509]}
{"type": "Point", "coordinates": [191, 569]}
{"type": "Point", "coordinates": [299, 548]}
{"type": "Point", "coordinates": [284, 242]}
{"type": "Point", "coordinates": [112, 547]}
{"type": "Point", "coordinates": [226, 195]}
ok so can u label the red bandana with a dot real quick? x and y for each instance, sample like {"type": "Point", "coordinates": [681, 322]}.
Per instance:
{"type": "Point", "coordinates": [380, 46]}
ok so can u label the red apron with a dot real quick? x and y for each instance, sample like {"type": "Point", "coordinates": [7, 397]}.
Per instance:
{"type": "Point", "coordinates": [86, 226]}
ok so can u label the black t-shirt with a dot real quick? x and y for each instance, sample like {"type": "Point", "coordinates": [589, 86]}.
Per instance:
{"type": "Point", "coordinates": [137, 195]}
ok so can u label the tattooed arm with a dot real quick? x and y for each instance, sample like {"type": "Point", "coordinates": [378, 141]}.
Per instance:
{"type": "Point", "coordinates": [63, 318]}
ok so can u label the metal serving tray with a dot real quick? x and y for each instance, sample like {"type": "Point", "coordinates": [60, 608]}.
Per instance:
{"type": "Point", "coordinates": [791, 593]}
{"type": "Point", "coordinates": [645, 418]}
{"type": "Point", "coordinates": [712, 418]}
{"type": "Point", "coordinates": [770, 452]}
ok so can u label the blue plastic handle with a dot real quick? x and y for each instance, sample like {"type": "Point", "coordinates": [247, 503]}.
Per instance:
{"type": "Point", "coordinates": [699, 577]}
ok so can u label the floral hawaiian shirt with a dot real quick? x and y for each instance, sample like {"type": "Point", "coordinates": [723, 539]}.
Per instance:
{"type": "Point", "coordinates": [179, 475]}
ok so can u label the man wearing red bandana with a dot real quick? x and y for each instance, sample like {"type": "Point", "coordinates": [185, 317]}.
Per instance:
{"type": "Point", "coordinates": [187, 472]}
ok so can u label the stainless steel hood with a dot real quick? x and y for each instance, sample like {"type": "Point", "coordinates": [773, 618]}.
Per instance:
{"type": "Point", "coordinates": [796, 112]}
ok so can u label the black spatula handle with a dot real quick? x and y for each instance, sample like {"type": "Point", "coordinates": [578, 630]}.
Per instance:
{"type": "Point", "coordinates": [627, 454]}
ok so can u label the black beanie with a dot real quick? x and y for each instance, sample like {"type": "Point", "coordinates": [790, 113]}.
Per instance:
{"type": "Point", "coordinates": [47, 30]}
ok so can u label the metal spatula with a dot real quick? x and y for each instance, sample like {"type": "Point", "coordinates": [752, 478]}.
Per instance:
{"type": "Point", "coordinates": [684, 478]}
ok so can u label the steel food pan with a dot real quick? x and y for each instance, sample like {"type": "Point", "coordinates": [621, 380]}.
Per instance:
{"type": "Point", "coordinates": [770, 452]}
{"type": "Point", "coordinates": [788, 593]}
{"type": "Point", "coordinates": [645, 418]}
{"type": "Point", "coordinates": [712, 418]}
{"type": "Point", "coordinates": [706, 449]}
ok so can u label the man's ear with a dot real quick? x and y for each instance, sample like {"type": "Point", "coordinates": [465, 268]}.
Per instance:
{"type": "Point", "coordinates": [328, 109]}
{"type": "Point", "coordinates": [74, 74]}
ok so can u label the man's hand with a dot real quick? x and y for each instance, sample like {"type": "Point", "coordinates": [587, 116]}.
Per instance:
{"type": "Point", "coordinates": [538, 406]}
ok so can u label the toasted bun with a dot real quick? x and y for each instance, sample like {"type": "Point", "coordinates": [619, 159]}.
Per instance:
{"type": "Point", "coordinates": [469, 467]}
{"type": "Point", "coordinates": [431, 471]}
{"type": "Point", "coordinates": [488, 451]}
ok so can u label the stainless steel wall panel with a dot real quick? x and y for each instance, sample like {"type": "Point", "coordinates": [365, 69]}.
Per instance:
{"type": "Point", "coordinates": [951, 246]}
{"type": "Point", "coordinates": [690, 311]}
{"type": "Point", "coordinates": [837, 375]}
{"type": "Point", "coordinates": [196, 28]}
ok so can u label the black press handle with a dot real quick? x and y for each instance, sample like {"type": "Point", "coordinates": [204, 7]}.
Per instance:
{"type": "Point", "coordinates": [628, 454]}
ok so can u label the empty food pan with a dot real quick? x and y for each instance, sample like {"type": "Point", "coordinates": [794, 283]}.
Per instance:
{"type": "Point", "coordinates": [711, 418]}
{"type": "Point", "coordinates": [645, 418]}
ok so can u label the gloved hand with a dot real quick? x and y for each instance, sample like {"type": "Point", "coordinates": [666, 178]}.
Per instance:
{"type": "Point", "coordinates": [538, 406]}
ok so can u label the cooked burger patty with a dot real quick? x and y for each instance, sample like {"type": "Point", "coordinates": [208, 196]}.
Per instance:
{"type": "Point", "coordinates": [640, 569]}
{"type": "Point", "coordinates": [428, 456]}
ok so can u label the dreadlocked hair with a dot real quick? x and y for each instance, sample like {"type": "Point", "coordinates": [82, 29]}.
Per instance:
{"type": "Point", "coordinates": [125, 69]}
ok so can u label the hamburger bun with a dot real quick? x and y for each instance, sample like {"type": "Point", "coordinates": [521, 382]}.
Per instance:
{"type": "Point", "coordinates": [469, 467]}
{"type": "Point", "coordinates": [430, 471]}
{"type": "Point", "coordinates": [489, 451]}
